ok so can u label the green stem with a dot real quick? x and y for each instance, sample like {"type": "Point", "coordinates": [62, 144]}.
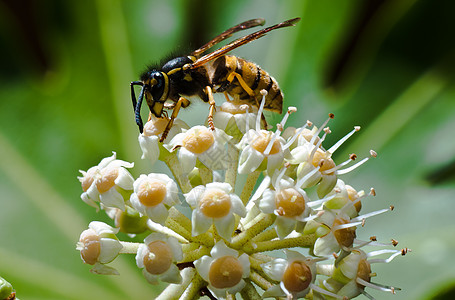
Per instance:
{"type": "Point", "coordinates": [231, 172]}
{"type": "Point", "coordinates": [205, 173]}
{"type": "Point", "coordinates": [190, 256]}
{"type": "Point", "coordinates": [173, 164]}
{"type": "Point", "coordinates": [129, 247]}
{"type": "Point", "coordinates": [163, 229]}
{"type": "Point", "coordinates": [174, 291]}
{"type": "Point", "coordinates": [259, 280]}
{"type": "Point", "coordinates": [257, 225]}
{"type": "Point", "coordinates": [192, 292]}
{"type": "Point", "coordinates": [249, 292]}
{"type": "Point", "coordinates": [301, 241]}
{"type": "Point", "coordinates": [266, 235]}
{"type": "Point", "coordinates": [249, 186]}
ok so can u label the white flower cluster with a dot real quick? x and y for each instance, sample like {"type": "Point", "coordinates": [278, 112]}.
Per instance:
{"type": "Point", "coordinates": [251, 191]}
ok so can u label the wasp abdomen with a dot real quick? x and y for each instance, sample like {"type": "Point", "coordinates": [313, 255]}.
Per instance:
{"type": "Point", "coordinates": [254, 80]}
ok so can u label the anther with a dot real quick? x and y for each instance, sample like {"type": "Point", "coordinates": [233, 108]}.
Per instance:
{"type": "Point", "coordinates": [372, 192]}
{"type": "Point", "coordinates": [352, 156]}
{"type": "Point", "coordinates": [373, 238]}
{"type": "Point", "coordinates": [394, 242]}
{"type": "Point", "coordinates": [373, 153]}
{"type": "Point", "coordinates": [391, 207]}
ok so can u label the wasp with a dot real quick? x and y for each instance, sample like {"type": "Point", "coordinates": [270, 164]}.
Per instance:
{"type": "Point", "coordinates": [168, 87]}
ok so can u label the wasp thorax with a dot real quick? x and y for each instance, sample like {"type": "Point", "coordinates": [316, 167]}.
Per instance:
{"type": "Point", "coordinates": [225, 272]}
{"type": "Point", "coordinates": [155, 127]}
{"type": "Point", "coordinates": [344, 236]}
{"type": "Point", "coordinates": [198, 140]}
{"type": "Point", "coordinates": [107, 179]}
{"type": "Point", "coordinates": [290, 203]}
{"type": "Point", "coordinates": [297, 276]}
{"type": "Point", "coordinates": [321, 159]}
{"type": "Point", "coordinates": [261, 142]}
{"type": "Point", "coordinates": [151, 193]}
{"type": "Point", "coordinates": [215, 203]}
{"type": "Point", "coordinates": [159, 257]}
{"type": "Point", "coordinates": [91, 248]}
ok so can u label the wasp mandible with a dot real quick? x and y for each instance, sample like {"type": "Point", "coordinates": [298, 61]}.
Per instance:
{"type": "Point", "coordinates": [169, 86]}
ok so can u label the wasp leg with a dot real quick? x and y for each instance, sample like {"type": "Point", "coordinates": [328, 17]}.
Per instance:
{"type": "Point", "coordinates": [249, 91]}
{"type": "Point", "coordinates": [183, 102]}
{"type": "Point", "coordinates": [208, 90]}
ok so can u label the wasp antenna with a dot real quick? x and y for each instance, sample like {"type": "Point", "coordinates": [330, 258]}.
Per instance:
{"type": "Point", "coordinates": [137, 109]}
{"type": "Point", "coordinates": [291, 22]}
{"type": "Point", "coordinates": [133, 95]}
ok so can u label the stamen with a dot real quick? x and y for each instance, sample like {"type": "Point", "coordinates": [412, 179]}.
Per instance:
{"type": "Point", "coordinates": [262, 187]}
{"type": "Point", "coordinates": [347, 170]}
{"type": "Point", "coordinates": [342, 140]}
{"type": "Point", "coordinates": [261, 108]}
{"type": "Point", "coordinates": [395, 253]}
{"type": "Point", "coordinates": [376, 286]}
{"type": "Point", "coordinates": [294, 137]}
{"type": "Point", "coordinates": [316, 134]}
{"type": "Point", "coordinates": [325, 292]}
{"type": "Point", "coordinates": [371, 214]}
{"type": "Point", "coordinates": [347, 225]}
{"type": "Point", "coordinates": [302, 180]}
{"type": "Point", "coordinates": [351, 158]}
{"type": "Point", "coordinates": [316, 147]}
{"type": "Point", "coordinates": [280, 175]}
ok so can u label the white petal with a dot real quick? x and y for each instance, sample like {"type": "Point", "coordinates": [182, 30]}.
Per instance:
{"type": "Point", "coordinates": [274, 161]}
{"type": "Point", "coordinates": [194, 195]}
{"type": "Point", "coordinates": [152, 279]}
{"type": "Point", "coordinates": [124, 179]}
{"type": "Point", "coordinates": [237, 206]}
{"type": "Point", "coordinates": [103, 270]}
{"type": "Point", "coordinates": [172, 275]}
{"type": "Point", "coordinates": [250, 160]}
{"type": "Point", "coordinates": [112, 198]}
{"type": "Point", "coordinates": [157, 213]}
{"type": "Point", "coordinates": [225, 187]}
{"type": "Point", "coordinates": [149, 147]}
{"type": "Point", "coordinates": [284, 226]}
{"type": "Point", "coordinates": [187, 160]}
{"type": "Point", "coordinates": [275, 269]}
{"type": "Point", "coordinates": [102, 228]}
{"type": "Point", "coordinates": [200, 223]}
{"type": "Point", "coordinates": [203, 266]}
{"type": "Point", "coordinates": [225, 226]}
{"type": "Point", "coordinates": [141, 251]}
{"type": "Point", "coordinates": [109, 249]}
{"type": "Point", "coordinates": [176, 248]}
{"type": "Point", "coordinates": [245, 262]}
{"type": "Point", "coordinates": [326, 245]}
{"type": "Point", "coordinates": [267, 203]}
{"type": "Point", "coordinates": [220, 249]}
{"type": "Point", "coordinates": [105, 161]}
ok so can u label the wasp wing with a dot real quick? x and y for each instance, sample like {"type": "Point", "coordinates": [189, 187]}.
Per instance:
{"type": "Point", "coordinates": [239, 42]}
{"type": "Point", "coordinates": [227, 33]}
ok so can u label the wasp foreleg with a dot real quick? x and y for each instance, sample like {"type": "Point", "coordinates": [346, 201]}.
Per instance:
{"type": "Point", "coordinates": [182, 102]}
{"type": "Point", "coordinates": [208, 90]}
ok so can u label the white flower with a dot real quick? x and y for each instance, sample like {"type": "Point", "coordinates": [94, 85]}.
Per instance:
{"type": "Point", "coordinates": [224, 270]}
{"type": "Point", "coordinates": [105, 182]}
{"type": "Point", "coordinates": [214, 204]}
{"type": "Point", "coordinates": [157, 257]}
{"type": "Point", "coordinates": [98, 246]}
{"type": "Point", "coordinates": [153, 195]}
{"type": "Point", "coordinates": [335, 231]}
{"type": "Point", "coordinates": [232, 113]}
{"type": "Point", "coordinates": [345, 197]}
{"type": "Point", "coordinates": [153, 129]}
{"type": "Point", "coordinates": [296, 275]}
{"type": "Point", "coordinates": [287, 201]}
{"type": "Point", "coordinates": [203, 144]}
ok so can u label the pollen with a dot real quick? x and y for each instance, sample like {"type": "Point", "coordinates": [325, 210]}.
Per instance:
{"type": "Point", "coordinates": [151, 193]}
{"type": "Point", "coordinates": [156, 127]}
{"type": "Point", "coordinates": [91, 247]}
{"type": "Point", "coordinates": [215, 203]}
{"type": "Point", "coordinates": [320, 159]}
{"type": "Point", "coordinates": [107, 180]}
{"type": "Point", "coordinates": [225, 272]}
{"type": "Point", "coordinates": [199, 140]}
{"type": "Point", "coordinates": [290, 203]}
{"type": "Point", "coordinates": [159, 258]}
{"type": "Point", "coordinates": [262, 141]}
{"type": "Point", "coordinates": [344, 236]}
{"type": "Point", "coordinates": [297, 276]}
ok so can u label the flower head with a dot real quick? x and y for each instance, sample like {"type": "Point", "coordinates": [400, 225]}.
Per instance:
{"type": "Point", "coordinates": [214, 204]}
{"type": "Point", "coordinates": [224, 270]}
{"type": "Point", "coordinates": [203, 144]}
{"type": "Point", "coordinates": [108, 182]}
{"type": "Point", "coordinates": [98, 246]}
{"type": "Point", "coordinates": [153, 195]}
{"type": "Point", "coordinates": [157, 257]}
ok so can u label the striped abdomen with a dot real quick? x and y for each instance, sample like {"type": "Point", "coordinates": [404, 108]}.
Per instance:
{"type": "Point", "coordinates": [253, 77]}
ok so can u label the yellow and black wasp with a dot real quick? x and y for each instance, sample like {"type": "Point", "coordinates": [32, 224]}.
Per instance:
{"type": "Point", "coordinates": [166, 87]}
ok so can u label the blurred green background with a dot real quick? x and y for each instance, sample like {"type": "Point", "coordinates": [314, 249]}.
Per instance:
{"type": "Point", "coordinates": [65, 68]}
